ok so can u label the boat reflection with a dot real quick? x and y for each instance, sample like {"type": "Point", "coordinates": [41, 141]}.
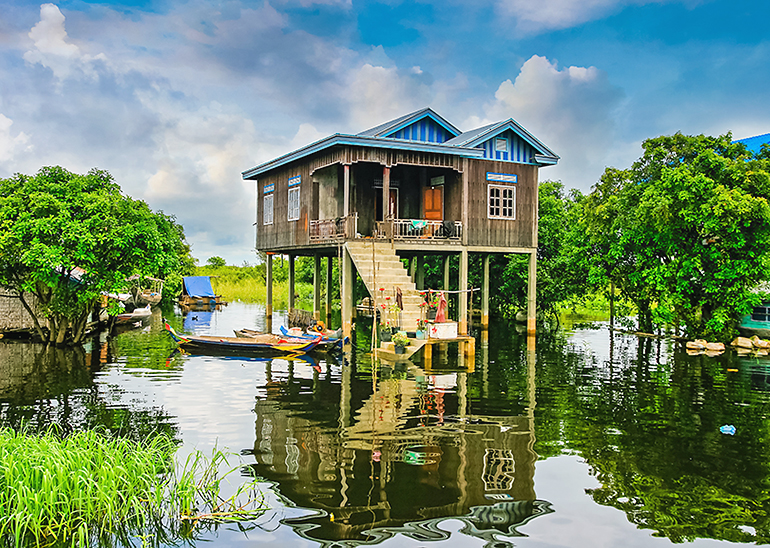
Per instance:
{"type": "Point", "coordinates": [396, 451]}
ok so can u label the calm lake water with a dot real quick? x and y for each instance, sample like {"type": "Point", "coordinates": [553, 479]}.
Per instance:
{"type": "Point", "coordinates": [584, 439]}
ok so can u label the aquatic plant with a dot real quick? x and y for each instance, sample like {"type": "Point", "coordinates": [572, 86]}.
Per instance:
{"type": "Point", "coordinates": [92, 488]}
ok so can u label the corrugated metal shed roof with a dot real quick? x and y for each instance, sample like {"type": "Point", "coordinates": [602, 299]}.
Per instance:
{"type": "Point", "coordinates": [754, 144]}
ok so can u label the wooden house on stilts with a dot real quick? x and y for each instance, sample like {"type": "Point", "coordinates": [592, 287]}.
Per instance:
{"type": "Point", "coordinates": [413, 187]}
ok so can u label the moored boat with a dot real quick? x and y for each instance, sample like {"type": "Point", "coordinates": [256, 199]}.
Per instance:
{"type": "Point", "coordinates": [329, 341]}
{"type": "Point", "coordinates": [263, 343]}
{"type": "Point", "coordinates": [138, 315]}
{"type": "Point", "coordinates": [757, 323]}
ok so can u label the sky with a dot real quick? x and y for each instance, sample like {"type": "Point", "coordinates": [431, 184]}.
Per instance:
{"type": "Point", "coordinates": [176, 98]}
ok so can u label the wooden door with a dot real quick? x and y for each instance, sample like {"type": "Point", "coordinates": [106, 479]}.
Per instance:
{"type": "Point", "coordinates": [433, 200]}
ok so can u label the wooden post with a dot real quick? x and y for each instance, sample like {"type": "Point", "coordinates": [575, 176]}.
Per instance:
{"type": "Point", "coordinates": [612, 305]}
{"type": "Point", "coordinates": [329, 267]}
{"type": "Point", "coordinates": [346, 190]}
{"type": "Point", "coordinates": [317, 286]}
{"type": "Point", "coordinates": [346, 293]}
{"type": "Point", "coordinates": [385, 193]}
{"type": "Point", "coordinates": [446, 273]}
{"type": "Point", "coordinates": [291, 282]}
{"type": "Point", "coordinates": [269, 291]}
{"type": "Point", "coordinates": [462, 312]}
{"type": "Point", "coordinates": [419, 277]}
{"type": "Point", "coordinates": [532, 293]}
{"type": "Point", "coordinates": [485, 293]}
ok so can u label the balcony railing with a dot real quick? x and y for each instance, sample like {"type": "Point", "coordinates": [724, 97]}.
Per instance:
{"type": "Point", "coordinates": [333, 229]}
{"type": "Point", "coordinates": [420, 229]}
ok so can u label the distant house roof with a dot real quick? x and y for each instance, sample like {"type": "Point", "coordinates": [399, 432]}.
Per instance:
{"type": "Point", "coordinates": [426, 131]}
{"type": "Point", "coordinates": [754, 144]}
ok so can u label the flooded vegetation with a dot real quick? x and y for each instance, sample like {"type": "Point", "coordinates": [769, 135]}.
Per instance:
{"type": "Point", "coordinates": [582, 438]}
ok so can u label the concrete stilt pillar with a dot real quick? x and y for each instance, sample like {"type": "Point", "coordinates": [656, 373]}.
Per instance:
{"type": "Point", "coordinates": [291, 282]}
{"type": "Point", "coordinates": [346, 293]}
{"type": "Point", "coordinates": [317, 287]}
{"type": "Point", "coordinates": [485, 293]}
{"type": "Point", "coordinates": [462, 309]}
{"type": "Point", "coordinates": [532, 293]}
{"type": "Point", "coordinates": [419, 276]}
{"type": "Point", "coordinates": [329, 267]}
{"type": "Point", "coordinates": [413, 268]}
{"type": "Point", "coordinates": [269, 291]}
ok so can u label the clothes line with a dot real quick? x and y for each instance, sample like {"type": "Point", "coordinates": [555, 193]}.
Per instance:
{"type": "Point", "coordinates": [471, 290]}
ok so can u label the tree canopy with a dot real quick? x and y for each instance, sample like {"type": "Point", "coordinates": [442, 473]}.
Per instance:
{"type": "Point", "coordinates": [687, 229]}
{"type": "Point", "coordinates": [67, 239]}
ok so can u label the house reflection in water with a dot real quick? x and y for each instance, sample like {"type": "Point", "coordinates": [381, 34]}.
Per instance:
{"type": "Point", "coordinates": [398, 451]}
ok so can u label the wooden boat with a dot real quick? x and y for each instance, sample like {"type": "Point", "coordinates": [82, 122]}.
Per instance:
{"type": "Point", "coordinates": [197, 291]}
{"type": "Point", "coordinates": [330, 340]}
{"type": "Point", "coordinates": [264, 343]}
{"type": "Point", "coordinates": [142, 296]}
{"type": "Point", "coordinates": [757, 323]}
{"type": "Point", "coordinates": [138, 315]}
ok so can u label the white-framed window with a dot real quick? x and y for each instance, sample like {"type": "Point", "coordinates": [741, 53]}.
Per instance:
{"type": "Point", "coordinates": [501, 144]}
{"type": "Point", "coordinates": [501, 202]}
{"type": "Point", "coordinates": [293, 204]}
{"type": "Point", "coordinates": [267, 209]}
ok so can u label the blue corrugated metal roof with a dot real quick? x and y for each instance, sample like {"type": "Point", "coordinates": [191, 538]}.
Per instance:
{"type": "Point", "coordinates": [477, 137]}
{"type": "Point", "coordinates": [469, 144]}
{"type": "Point", "coordinates": [754, 144]}
{"type": "Point", "coordinates": [389, 128]}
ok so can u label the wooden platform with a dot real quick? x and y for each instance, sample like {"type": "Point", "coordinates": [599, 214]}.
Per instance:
{"type": "Point", "coordinates": [466, 342]}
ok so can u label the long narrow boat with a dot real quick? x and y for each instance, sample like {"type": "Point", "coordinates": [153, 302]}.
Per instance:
{"type": "Point", "coordinates": [265, 343]}
{"type": "Point", "coordinates": [327, 343]}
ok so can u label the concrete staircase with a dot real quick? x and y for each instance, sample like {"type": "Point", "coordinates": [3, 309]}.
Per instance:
{"type": "Point", "coordinates": [379, 267]}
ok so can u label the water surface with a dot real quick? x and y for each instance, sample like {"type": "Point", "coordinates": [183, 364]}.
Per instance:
{"type": "Point", "coordinates": [580, 439]}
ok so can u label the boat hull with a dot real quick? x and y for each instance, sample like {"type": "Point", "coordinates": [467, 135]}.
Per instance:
{"type": "Point", "coordinates": [265, 344]}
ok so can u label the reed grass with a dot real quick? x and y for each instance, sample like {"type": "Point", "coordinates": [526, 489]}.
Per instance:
{"type": "Point", "coordinates": [92, 488]}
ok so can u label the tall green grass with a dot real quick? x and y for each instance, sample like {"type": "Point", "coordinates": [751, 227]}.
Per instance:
{"type": "Point", "coordinates": [90, 488]}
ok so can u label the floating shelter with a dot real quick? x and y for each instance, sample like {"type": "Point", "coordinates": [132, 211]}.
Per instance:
{"type": "Point", "coordinates": [412, 187]}
{"type": "Point", "coordinates": [197, 290]}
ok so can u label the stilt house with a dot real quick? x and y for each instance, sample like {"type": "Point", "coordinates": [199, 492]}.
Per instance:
{"type": "Point", "coordinates": [411, 187]}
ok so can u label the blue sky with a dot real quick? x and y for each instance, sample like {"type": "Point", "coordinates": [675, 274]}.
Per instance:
{"type": "Point", "coordinates": [176, 98]}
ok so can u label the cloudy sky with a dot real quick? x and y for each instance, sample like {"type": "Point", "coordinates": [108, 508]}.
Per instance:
{"type": "Point", "coordinates": [177, 97]}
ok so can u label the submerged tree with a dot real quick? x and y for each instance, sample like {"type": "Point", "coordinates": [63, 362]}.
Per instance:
{"type": "Point", "coordinates": [67, 238]}
{"type": "Point", "coordinates": [687, 229]}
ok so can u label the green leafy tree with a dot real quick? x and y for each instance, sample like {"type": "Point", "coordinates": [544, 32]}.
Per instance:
{"type": "Point", "coordinates": [561, 269]}
{"type": "Point", "coordinates": [686, 229]}
{"type": "Point", "coordinates": [67, 238]}
{"type": "Point", "coordinates": [216, 261]}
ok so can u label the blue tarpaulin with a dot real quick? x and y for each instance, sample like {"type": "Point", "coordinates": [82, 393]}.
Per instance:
{"type": "Point", "coordinates": [197, 286]}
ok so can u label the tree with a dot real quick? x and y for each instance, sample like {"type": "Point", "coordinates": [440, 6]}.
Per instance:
{"type": "Point", "coordinates": [216, 261]}
{"type": "Point", "coordinates": [686, 229]}
{"type": "Point", "coordinates": [561, 270]}
{"type": "Point", "coordinates": [67, 238]}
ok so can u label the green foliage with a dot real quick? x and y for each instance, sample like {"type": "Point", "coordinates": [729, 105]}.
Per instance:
{"type": "Point", "coordinates": [87, 488]}
{"type": "Point", "coordinates": [216, 261]}
{"type": "Point", "coordinates": [67, 238]}
{"type": "Point", "coordinates": [561, 268]}
{"type": "Point", "coordinates": [684, 233]}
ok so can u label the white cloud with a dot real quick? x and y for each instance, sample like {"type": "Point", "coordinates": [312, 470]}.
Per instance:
{"type": "Point", "coordinates": [53, 50]}
{"type": "Point", "coordinates": [571, 110]}
{"type": "Point", "coordinates": [377, 94]}
{"type": "Point", "coordinates": [536, 16]}
{"type": "Point", "coordinates": [9, 143]}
